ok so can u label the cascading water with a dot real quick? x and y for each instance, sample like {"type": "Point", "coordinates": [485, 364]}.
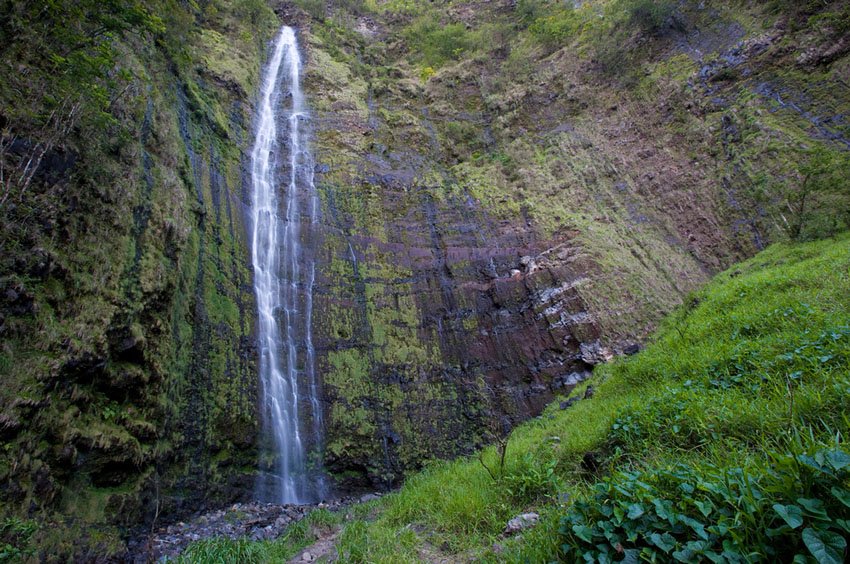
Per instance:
{"type": "Point", "coordinates": [284, 272]}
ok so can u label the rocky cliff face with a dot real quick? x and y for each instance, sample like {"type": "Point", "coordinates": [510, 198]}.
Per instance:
{"type": "Point", "coordinates": [500, 223]}
{"type": "Point", "coordinates": [126, 313]}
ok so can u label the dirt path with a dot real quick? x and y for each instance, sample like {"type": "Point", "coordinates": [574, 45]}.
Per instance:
{"type": "Point", "coordinates": [323, 550]}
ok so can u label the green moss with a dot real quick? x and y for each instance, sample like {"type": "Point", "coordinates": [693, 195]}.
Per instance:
{"type": "Point", "coordinates": [349, 372]}
{"type": "Point", "coordinates": [128, 273]}
{"type": "Point", "coordinates": [343, 91]}
{"type": "Point", "coordinates": [228, 60]}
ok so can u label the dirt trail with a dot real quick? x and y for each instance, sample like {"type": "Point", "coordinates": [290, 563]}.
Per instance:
{"type": "Point", "coordinates": [323, 550]}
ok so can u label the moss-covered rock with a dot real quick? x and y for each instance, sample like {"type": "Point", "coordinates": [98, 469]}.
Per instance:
{"type": "Point", "coordinates": [126, 312]}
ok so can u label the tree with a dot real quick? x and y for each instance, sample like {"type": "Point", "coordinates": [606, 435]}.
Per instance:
{"type": "Point", "coordinates": [819, 204]}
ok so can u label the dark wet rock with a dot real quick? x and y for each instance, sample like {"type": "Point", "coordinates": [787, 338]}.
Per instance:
{"type": "Point", "coordinates": [730, 129]}
{"type": "Point", "coordinates": [828, 127]}
{"type": "Point", "coordinates": [632, 349]}
{"type": "Point", "coordinates": [131, 348]}
{"type": "Point", "coordinates": [529, 265]}
{"type": "Point", "coordinates": [18, 301]}
{"type": "Point", "coordinates": [825, 53]}
{"type": "Point", "coordinates": [588, 393]}
{"type": "Point", "coordinates": [571, 380]}
{"type": "Point", "coordinates": [569, 403]}
{"type": "Point", "coordinates": [54, 165]}
{"type": "Point", "coordinates": [9, 426]}
{"type": "Point", "coordinates": [84, 367]}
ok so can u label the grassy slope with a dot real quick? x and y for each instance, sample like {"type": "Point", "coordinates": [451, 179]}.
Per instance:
{"type": "Point", "coordinates": [723, 361]}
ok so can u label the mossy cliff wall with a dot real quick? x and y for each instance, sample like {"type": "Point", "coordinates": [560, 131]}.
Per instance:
{"type": "Point", "coordinates": [126, 306]}
{"type": "Point", "coordinates": [513, 191]}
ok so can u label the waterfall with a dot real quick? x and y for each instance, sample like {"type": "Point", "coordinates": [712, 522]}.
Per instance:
{"type": "Point", "coordinates": [284, 214]}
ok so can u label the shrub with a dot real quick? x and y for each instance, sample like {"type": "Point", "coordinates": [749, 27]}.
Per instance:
{"type": "Point", "coordinates": [529, 10]}
{"type": "Point", "coordinates": [616, 51]}
{"type": "Point", "coordinates": [435, 43]}
{"type": "Point", "coordinates": [15, 539]}
{"type": "Point", "coordinates": [820, 202]}
{"type": "Point", "coordinates": [651, 16]}
{"type": "Point", "coordinates": [461, 134]}
{"type": "Point", "coordinates": [797, 505]}
{"type": "Point", "coordinates": [426, 73]}
{"type": "Point", "coordinates": [555, 28]}
{"type": "Point", "coordinates": [532, 480]}
{"type": "Point", "coordinates": [316, 8]}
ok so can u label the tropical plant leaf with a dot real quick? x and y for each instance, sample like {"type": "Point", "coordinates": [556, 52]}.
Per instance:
{"type": "Point", "coordinates": [838, 459]}
{"type": "Point", "coordinates": [583, 532]}
{"type": "Point", "coordinates": [841, 495]}
{"type": "Point", "coordinates": [705, 507]}
{"type": "Point", "coordinates": [663, 541]}
{"type": "Point", "coordinates": [635, 511]}
{"type": "Point", "coordinates": [827, 547]}
{"type": "Point", "coordinates": [792, 514]}
{"type": "Point", "coordinates": [813, 507]}
{"type": "Point", "coordinates": [632, 556]}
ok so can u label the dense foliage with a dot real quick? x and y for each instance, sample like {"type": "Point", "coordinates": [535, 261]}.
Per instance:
{"type": "Point", "coordinates": [794, 504]}
{"type": "Point", "coordinates": [59, 61]}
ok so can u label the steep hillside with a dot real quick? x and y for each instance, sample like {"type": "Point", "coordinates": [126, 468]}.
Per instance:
{"type": "Point", "coordinates": [724, 440]}
{"type": "Point", "coordinates": [126, 312]}
{"type": "Point", "coordinates": [513, 191]}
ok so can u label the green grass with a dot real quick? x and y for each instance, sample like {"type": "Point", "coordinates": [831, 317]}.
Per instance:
{"type": "Point", "coordinates": [751, 370]}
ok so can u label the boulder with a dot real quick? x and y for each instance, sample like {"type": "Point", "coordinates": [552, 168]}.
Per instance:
{"type": "Point", "coordinates": [569, 403]}
{"type": "Point", "coordinates": [521, 522]}
{"type": "Point", "coordinates": [632, 349]}
{"type": "Point", "coordinates": [594, 353]}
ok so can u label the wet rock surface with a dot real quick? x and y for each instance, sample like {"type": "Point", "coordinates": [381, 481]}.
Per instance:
{"type": "Point", "coordinates": [255, 521]}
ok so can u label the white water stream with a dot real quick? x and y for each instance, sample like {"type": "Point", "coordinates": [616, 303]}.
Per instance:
{"type": "Point", "coordinates": [284, 212]}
